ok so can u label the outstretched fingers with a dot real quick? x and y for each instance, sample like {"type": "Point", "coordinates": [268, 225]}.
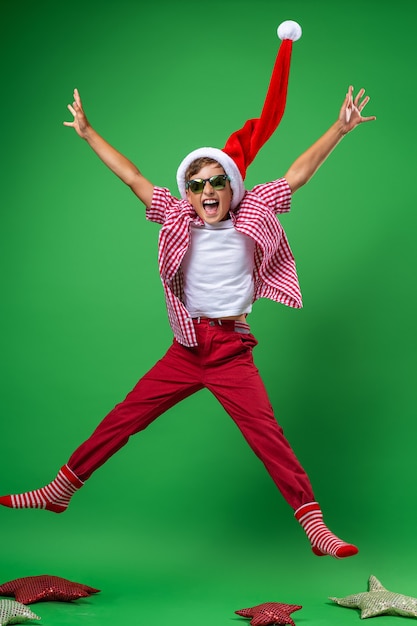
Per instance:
{"type": "Point", "coordinates": [359, 95]}
{"type": "Point", "coordinates": [77, 99]}
{"type": "Point", "coordinates": [360, 103]}
{"type": "Point", "coordinates": [79, 123]}
{"type": "Point", "coordinates": [72, 111]}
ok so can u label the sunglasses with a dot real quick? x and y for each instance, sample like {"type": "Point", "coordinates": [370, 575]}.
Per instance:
{"type": "Point", "coordinates": [217, 182]}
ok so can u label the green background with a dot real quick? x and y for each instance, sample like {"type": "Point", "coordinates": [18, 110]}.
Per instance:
{"type": "Point", "coordinates": [184, 526]}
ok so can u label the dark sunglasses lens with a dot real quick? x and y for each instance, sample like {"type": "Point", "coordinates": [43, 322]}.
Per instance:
{"type": "Point", "coordinates": [196, 186]}
{"type": "Point", "coordinates": [218, 182]}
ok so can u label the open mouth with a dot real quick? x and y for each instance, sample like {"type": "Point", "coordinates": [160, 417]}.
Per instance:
{"type": "Point", "coordinates": [210, 207]}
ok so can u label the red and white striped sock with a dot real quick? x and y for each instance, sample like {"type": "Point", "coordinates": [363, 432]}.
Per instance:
{"type": "Point", "coordinates": [53, 497]}
{"type": "Point", "coordinates": [322, 540]}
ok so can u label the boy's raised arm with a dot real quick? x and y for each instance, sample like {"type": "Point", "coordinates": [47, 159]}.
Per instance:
{"type": "Point", "coordinates": [115, 161]}
{"type": "Point", "coordinates": [350, 116]}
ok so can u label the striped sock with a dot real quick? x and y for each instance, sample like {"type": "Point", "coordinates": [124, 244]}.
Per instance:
{"type": "Point", "coordinates": [53, 497]}
{"type": "Point", "coordinates": [322, 541]}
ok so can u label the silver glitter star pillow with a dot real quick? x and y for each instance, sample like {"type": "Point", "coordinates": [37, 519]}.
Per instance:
{"type": "Point", "coordinates": [379, 601]}
{"type": "Point", "coordinates": [12, 612]}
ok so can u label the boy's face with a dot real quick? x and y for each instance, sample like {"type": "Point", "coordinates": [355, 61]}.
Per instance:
{"type": "Point", "coordinates": [212, 205]}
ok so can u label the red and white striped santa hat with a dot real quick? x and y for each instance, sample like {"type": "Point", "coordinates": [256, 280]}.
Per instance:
{"type": "Point", "coordinates": [244, 144]}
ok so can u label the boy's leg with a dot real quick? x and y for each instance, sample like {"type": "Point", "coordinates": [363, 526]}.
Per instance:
{"type": "Point", "coordinates": [173, 378]}
{"type": "Point", "coordinates": [237, 385]}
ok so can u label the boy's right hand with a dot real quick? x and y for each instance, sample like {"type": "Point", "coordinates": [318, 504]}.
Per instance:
{"type": "Point", "coordinates": [80, 122]}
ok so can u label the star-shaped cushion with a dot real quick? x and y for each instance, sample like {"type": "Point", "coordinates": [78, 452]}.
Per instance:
{"type": "Point", "coordinates": [37, 588]}
{"type": "Point", "coordinates": [379, 601]}
{"type": "Point", "coordinates": [12, 612]}
{"type": "Point", "coordinates": [270, 613]}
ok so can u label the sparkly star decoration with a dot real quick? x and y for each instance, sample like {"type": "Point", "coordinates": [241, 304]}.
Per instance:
{"type": "Point", "coordinates": [12, 612]}
{"type": "Point", "coordinates": [379, 601]}
{"type": "Point", "coordinates": [270, 613]}
{"type": "Point", "coordinates": [37, 588]}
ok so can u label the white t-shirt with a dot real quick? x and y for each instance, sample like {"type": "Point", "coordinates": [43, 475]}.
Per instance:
{"type": "Point", "coordinates": [218, 271]}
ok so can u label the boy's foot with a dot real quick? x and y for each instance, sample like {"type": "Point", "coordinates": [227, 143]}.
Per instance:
{"type": "Point", "coordinates": [323, 541]}
{"type": "Point", "coordinates": [53, 497]}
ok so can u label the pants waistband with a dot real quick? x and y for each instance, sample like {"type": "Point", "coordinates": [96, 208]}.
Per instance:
{"type": "Point", "coordinates": [232, 325]}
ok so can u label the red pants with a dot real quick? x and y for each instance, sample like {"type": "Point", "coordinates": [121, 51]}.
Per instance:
{"type": "Point", "coordinates": [222, 363]}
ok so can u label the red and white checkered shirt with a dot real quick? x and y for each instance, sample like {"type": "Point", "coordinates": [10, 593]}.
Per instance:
{"type": "Point", "coordinates": [275, 275]}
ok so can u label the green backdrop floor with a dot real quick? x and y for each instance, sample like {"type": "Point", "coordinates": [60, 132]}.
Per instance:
{"type": "Point", "coordinates": [159, 575]}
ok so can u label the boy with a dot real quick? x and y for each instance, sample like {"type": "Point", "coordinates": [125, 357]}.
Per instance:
{"type": "Point", "coordinates": [220, 249]}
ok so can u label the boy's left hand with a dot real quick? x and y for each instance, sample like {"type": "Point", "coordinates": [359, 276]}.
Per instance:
{"type": "Point", "coordinates": [350, 114]}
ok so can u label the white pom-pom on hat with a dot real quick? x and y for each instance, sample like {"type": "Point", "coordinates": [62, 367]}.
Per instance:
{"type": "Point", "coordinates": [289, 30]}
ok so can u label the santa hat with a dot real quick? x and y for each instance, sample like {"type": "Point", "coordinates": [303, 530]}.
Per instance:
{"type": "Point", "coordinates": [244, 144]}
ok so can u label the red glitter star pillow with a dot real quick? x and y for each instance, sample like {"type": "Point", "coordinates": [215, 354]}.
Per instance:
{"type": "Point", "coordinates": [42, 588]}
{"type": "Point", "coordinates": [270, 613]}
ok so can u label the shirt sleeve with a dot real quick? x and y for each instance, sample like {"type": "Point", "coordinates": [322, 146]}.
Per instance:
{"type": "Point", "coordinates": [162, 202]}
{"type": "Point", "coordinates": [276, 194]}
